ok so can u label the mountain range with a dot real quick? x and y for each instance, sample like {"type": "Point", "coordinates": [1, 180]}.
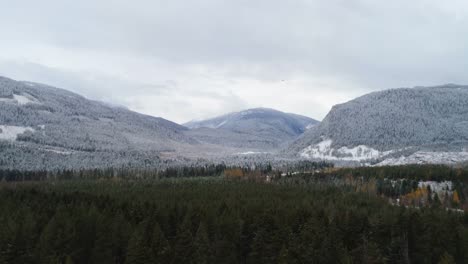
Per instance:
{"type": "Point", "coordinates": [43, 127]}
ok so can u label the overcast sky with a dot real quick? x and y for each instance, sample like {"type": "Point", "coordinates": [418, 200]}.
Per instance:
{"type": "Point", "coordinates": [193, 59]}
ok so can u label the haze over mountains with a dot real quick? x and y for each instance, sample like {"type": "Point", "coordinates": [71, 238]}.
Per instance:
{"type": "Point", "coordinates": [43, 127]}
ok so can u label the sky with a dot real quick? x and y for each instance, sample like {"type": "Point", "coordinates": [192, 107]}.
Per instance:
{"type": "Point", "coordinates": [184, 60]}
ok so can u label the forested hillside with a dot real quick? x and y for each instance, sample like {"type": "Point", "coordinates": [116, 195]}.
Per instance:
{"type": "Point", "coordinates": [429, 122]}
{"type": "Point", "coordinates": [43, 127]}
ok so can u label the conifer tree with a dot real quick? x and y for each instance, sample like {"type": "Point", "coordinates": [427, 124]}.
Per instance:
{"type": "Point", "coordinates": [183, 247]}
{"type": "Point", "coordinates": [202, 246]}
{"type": "Point", "coordinates": [138, 251]}
{"type": "Point", "coordinates": [159, 245]}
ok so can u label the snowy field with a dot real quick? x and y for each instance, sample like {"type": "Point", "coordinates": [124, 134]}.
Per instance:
{"type": "Point", "coordinates": [11, 133]}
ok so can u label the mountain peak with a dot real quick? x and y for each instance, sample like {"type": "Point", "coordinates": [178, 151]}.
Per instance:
{"type": "Point", "coordinates": [262, 127]}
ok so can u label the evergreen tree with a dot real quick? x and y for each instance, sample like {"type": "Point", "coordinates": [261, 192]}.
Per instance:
{"type": "Point", "coordinates": [283, 256]}
{"type": "Point", "coordinates": [183, 247]}
{"type": "Point", "coordinates": [139, 251]}
{"type": "Point", "coordinates": [160, 246]}
{"type": "Point", "coordinates": [103, 245]}
{"type": "Point", "coordinates": [55, 241]}
{"type": "Point", "coordinates": [202, 246]}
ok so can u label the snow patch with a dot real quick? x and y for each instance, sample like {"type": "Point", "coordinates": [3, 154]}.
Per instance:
{"type": "Point", "coordinates": [309, 126]}
{"type": "Point", "coordinates": [221, 124]}
{"type": "Point", "coordinates": [248, 112]}
{"type": "Point", "coordinates": [57, 151]}
{"type": "Point", "coordinates": [437, 187]}
{"type": "Point", "coordinates": [324, 151]}
{"type": "Point", "coordinates": [21, 99]}
{"type": "Point", "coordinates": [11, 132]}
{"type": "Point", "coordinates": [251, 153]}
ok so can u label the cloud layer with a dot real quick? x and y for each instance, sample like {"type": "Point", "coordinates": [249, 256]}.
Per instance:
{"type": "Point", "coordinates": [194, 59]}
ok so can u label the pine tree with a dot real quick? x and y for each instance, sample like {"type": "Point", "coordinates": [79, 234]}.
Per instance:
{"type": "Point", "coordinates": [55, 240]}
{"type": "Point", "coordinates": [69, 260]}
{"type": "Point", "coordinates": [183, 247]}
{"type": "Point", "coordinates": [103, 245]}
{"type": "Point", "coordinates": [159, 245]}
{"type": "Point", "coordinates": [138, 251]}
{"type": "Point", "coordinates": [203, 251]}
{"type": "Point", "coordinates": [283, 257]}
{"type": "Point", "coordinates": [265, 245]}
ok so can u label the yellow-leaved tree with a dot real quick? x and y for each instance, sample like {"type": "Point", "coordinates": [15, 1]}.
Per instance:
{"type": "Point", "coordinates": [456, 197]}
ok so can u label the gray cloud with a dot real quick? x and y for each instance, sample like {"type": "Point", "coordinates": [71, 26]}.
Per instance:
{"type": "Point", "coordinates": [194, 59]}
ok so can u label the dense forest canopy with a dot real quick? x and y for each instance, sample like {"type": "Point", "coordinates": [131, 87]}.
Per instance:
{"type": "Point", "coordinates": [321, 216]}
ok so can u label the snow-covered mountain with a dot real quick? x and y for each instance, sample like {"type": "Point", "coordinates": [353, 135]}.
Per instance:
{"type": "Point", "coordinates": [397, 126]}
{"type": "Point", "coordinates": [259, 129]}
{"type": "Point", "coordinates": [46, 127]}
{"type": "Point", "coordinates": [43, 127]}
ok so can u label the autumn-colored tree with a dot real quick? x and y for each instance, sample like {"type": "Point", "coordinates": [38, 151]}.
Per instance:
{"type": "Point", "coordinates": [233, 173]}
{"type": "Point", "coordinates": [417, 197]}
{"type": "Point", "coordinates": [446, 259]}
{"type": "Point", "coordinates": [456, 197]}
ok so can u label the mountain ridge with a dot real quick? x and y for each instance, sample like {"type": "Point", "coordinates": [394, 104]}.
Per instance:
{"type": "Point", "coordinates": [259, 128]}
{"type": "Point", "coordinates": [42, 126]}
{"type": "Point", "coordinates": [390, 123]}
{"type": "Point", "coordinates": [45, 126]}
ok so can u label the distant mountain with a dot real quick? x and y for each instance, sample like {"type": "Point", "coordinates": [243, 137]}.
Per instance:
{"type": "Point", "coordinates": [46, 127]}
{"type": "Point", "coordinates": [398, 126]}
{"type": "Point", "coordinates": [260, 129]}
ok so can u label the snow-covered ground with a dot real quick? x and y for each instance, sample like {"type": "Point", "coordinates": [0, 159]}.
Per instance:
{"type": "Point", "coordinates": [361, 153]}
{"type": "Point", "coordinates": [438, 187]}
{"type": "Point", "coordinates": [11, 132]}
{"type": "Point", "coordinates": [251, 153]}
{"type": "Point", "coordinates": [324, 151]}
{"type": "Point", "coordinates": [58, 151]}
{"type": "Point", "coordinates": [30, 84]}
{"type": "Point", "coordinates": [427, 157]}
{"type": "Point", "coordinates": [20, 99]}
{"type": "Point", "coordinates": [221, 124]}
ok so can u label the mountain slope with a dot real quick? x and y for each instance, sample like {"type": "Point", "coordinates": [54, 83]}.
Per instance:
{"type": "Point", "coordinates": [43, 126]}
{"type": "Point", "coordinates": [391, 124]}
{"type": "Point", "coordinates": [257, 129]}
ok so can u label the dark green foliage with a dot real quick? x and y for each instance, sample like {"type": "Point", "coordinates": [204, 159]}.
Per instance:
{"type": "Point", "coordinates": [409, 172]}
{"type": "Point", "coordinates": [211, 220]}
{"type": "Point", "coordinates": [202, 246]}
{"type": "Point", "coordinates": [139, 249]}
